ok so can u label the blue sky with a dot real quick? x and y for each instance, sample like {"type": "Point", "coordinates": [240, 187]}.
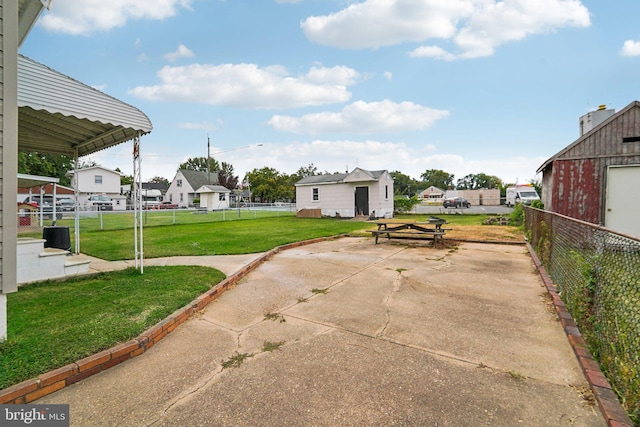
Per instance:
{"type": "Point", "coordinates": [466, 86]}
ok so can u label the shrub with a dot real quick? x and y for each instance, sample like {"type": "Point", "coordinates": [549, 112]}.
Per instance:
{"type": "Point", "coordinates": [403, 205]}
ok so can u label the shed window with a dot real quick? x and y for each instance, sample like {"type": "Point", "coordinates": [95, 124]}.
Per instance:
{"type": "Point", "coordinates": [178, 183]}
{"type": "Point", "coordinates": [316, 194]}
{"type": "Point", "coordinates": [97, 179]}
{"type": "Point", "coordinates": [221, 197]}
{"type": "Point", "coordinates": [631, 139]}
{"type": "Point", "coordinates": [386, 191]}
{"type": "Point", "coordinates": [181, 197]}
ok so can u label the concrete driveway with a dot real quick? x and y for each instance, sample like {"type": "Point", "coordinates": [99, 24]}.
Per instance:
{"type": "Point", "coordinates": [346, 332]}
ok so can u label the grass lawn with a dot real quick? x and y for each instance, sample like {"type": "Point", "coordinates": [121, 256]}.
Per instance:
{"type": "Point", "coordinates": [213, 238]}
{"type": "Point", "coordinates": [51, 324]}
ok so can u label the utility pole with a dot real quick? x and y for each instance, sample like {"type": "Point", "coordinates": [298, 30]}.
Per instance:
{"type": "Point", "coordinates": [208, 160]}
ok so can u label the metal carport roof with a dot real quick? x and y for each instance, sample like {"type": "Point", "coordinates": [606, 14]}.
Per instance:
{"type": "Point", "coordinates": [57, 114]}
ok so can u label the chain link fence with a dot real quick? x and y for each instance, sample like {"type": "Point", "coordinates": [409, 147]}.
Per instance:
{"type": "Point", "coordinates": [32, 222]}
{"type": "Point", "coordinates": [597, 272]}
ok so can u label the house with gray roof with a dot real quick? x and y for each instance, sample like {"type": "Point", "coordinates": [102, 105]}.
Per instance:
{"type": "Point", "coordinates": [346, 195]}
{"type": "Point", "coordinates": [182, 189]}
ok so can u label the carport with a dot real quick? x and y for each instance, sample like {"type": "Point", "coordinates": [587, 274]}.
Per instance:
{"type": "Point", "coordinates": [60, 115]}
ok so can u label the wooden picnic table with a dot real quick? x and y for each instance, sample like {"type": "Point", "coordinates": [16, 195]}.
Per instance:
{"type": "Point", "coordinates": [410, 228]}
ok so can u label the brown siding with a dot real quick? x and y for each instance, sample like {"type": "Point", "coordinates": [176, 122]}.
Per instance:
{"type": "Point", "coordinates": [577, 184]}
{"type": "Point", "coordinates": [607, 141]}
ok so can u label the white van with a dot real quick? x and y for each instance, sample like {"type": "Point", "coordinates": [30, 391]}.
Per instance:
{"type": "Point", "coordinates": [524, 194]}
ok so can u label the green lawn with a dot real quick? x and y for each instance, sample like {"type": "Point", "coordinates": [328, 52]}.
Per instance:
{"type": "Point", "coordinates": [51, 324]}
{"type": "Point", "coordinates": [213, 238]}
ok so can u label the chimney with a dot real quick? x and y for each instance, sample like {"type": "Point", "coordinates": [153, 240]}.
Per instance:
{"type": "Point", "coordinates": [594, 118]}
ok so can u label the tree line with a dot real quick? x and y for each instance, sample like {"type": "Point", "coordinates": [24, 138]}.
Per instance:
{"type": "Point", "coordinates": [266, 184]}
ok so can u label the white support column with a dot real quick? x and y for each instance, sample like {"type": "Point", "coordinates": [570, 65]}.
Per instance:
{"type": "Point", "coordinates": [76, 222]}
{"type": "Point", "coordinates": [137, 206]}
{"type": "Point", "coordinates": [3, 317]}
{"type": "Point", "coordinates": [8, 155]}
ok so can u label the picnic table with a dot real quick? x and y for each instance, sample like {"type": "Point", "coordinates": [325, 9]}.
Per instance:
{"type": "Point", "coordinates": [394, 228]}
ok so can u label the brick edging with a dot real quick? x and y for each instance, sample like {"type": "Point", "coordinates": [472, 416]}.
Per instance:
{"type": "Point", "coordinates": [608, 402]}
{"type": "Point", "coordinates": [52, 381]}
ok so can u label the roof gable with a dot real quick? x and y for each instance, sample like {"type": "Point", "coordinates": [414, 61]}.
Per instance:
{"type": "Point", "coordinates": [197, 179]}
{"type": "Point", "coordinates": [357, 175]}
{"type": "Point", "coordinates": [213, 189]}
{"type": "Point", "coordinates": [629, 109]}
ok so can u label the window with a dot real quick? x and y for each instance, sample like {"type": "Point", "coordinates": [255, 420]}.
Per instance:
{"type": "Point", "coordinates": [221, 197]}
{"type": "Point", "coordinates": [386, 191]}
{"type": "Point", "coordinates": [179, 184]}
{"type": "Point", "coordinates": [316, 195]}
{"type": "Point", "coordinates": [631, 139]}
{"type": "Point", "coordinates": [181, 199]}
{"type": "Point", "coordinates": [171, 197]}
{"type": "Point", "coordinates": [97, 179]}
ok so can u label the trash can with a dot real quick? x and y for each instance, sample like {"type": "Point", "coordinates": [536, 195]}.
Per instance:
{"type": "Point", "coordinates": [57, 237]}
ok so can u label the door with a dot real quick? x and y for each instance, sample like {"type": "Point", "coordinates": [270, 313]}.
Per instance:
{"type": "Point", "coordinates": [622, 204]}
{"type": "Point", "coordinates": [362, 201]}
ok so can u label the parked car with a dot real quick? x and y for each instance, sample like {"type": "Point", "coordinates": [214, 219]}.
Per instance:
{"type": "Point", "coordinates": [66, 204]}
{"type": "Point", "coordinates": [168, 205]}
{"type": "Point", "coordinates": [456, 202]}
{"type": "Point", "coordinates": [47, 205]}
{"type": "Point", "coordinates": [100, 202]}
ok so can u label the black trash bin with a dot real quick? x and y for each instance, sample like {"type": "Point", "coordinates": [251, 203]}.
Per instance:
{"type": "Point", "coordinates": [57, 237]}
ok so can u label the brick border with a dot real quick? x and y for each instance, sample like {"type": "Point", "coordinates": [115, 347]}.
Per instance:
{"type": "Point", "coordinates": [47, 383]}
{"type": "Point", "coordinates": [607, 400]}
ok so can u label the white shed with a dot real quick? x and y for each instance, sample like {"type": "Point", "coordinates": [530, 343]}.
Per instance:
{"type": "Point", "coordinates": [360, 192]}
{"type": "Point", "coordinates": [213, 197]}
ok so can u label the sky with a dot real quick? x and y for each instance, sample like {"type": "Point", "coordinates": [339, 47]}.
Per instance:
{"type": "Point", "coordinates": [465, 86]}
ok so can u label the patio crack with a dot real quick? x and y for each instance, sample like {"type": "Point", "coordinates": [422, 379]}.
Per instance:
{"type": "Point", "coordinates": [397, 283]}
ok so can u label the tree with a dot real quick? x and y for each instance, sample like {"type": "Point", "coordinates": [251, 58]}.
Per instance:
{"type": "Point", "coordinates": [437, 178]}
{"type": "Point", "coordinates": [125, 179]}
{"type": "Point", "coordinates": [200, 164]}
{"type": "Point", "coordinates": [309, 170]}
{"type": "Point", "coordinates": [478, 181]}
{"type": "Point", "coordinates": [160, 180]}
{"type": "Point", "coordinates": [403, 184]}
{"type": "Point", "coordinates": [269, 185]}
{"type": "Point", "coordinates": [51, 165]}
{"type": "Point", "coordinates": [226, 178]}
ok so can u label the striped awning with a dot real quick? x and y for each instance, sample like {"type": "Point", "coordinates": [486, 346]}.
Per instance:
{"type": "Point", "coordinates": [57, 114]}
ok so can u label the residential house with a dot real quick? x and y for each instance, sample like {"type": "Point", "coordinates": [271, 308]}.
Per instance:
{"type": "Point", "coordinates": [360, 192]}
{"type": "Point", "coordinates": [432, 194]}
{"type": "Point", "coordinates": [596, 178]}
{"type": "Point", "coordinates": [96, 180]}
{"type": "Point", "coordinates": [214, 197]}
{"type": "Point", "coordinates": [182, 190]}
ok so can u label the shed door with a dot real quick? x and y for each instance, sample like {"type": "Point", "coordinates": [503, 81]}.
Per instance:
{"type": "Point", "coordinates": [623, 200]}
{"type": "Point", "coordinates": [362, 200]}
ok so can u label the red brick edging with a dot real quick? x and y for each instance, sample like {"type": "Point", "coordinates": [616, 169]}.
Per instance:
{"type": "Point", "coordinates": [30, 390]}
{"type": "Point", "coordinates": [609, 404]}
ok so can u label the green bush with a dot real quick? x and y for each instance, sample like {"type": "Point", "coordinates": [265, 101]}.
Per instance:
{"type": "Point", "coordinates": [537, 204]}
{"type": "Point", "coordinates": [517, 216]}
{"type": "Point", "coordinates": [403, 205]}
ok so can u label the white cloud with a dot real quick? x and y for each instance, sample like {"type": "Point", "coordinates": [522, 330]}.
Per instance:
{"type": "Point", "coordinates": [181, 52]}
{"type": "Point", "coordinates": [475, 27]}
{"type": "Point", "coordinates": [205, 126]}
{"type": "Point", "coordinates": [388, 75]}
{"type": "Point", "coordinates": [362, 118]}
{"type": "Point", "coordinates": [89, 16]}
{"type": "Point", "coordinates": [630, 48]}
{"type": "Point", "coordinates": [327, 156]}
{"type": "Point", "coordinates": [249, 86]}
